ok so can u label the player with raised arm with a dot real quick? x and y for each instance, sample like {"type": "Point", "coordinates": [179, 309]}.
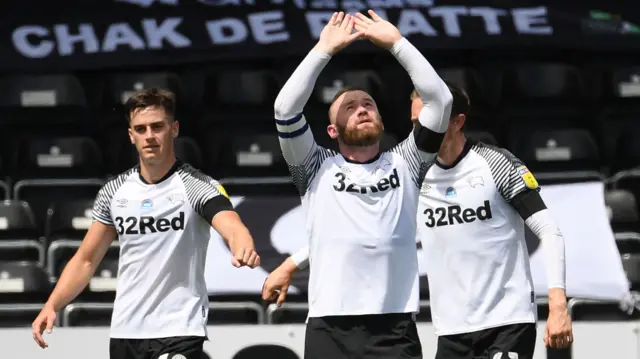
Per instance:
{"type": "Point", "coordinates": [161, 211]}
{"type": "Point", "coordinates": [361, 203]}
{"type": "Point", "coordinates": [474, 204]}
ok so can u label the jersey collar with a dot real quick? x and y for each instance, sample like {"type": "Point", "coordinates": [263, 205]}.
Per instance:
{"type": "Point", "coordinates": [467, 147]}
{"type": "Point", "coordinates": [171, 171]}
{"type": "Point", "coordinates": [372, 160]}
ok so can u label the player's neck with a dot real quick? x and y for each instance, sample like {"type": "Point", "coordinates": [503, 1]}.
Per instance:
{"type": "Point", "coordinates": [450, 151]}
{"type": "Point", "coordinates": [359, 154]}
{"type": "Point", "coordinates": [154, 173]}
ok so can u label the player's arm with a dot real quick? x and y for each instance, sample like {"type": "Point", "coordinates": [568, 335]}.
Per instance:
{"type": "Point", "coordinates": [81, 267]}
{"type": "Point", "coordinates": [433, 119]}
{"type": "Point", "coordinates": [277, 283]}
{"type": "Point", "coordinates": [211, 202]}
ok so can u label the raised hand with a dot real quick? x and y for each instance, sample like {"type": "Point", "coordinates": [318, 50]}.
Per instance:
{"type": "Point", "coordinates": [379, 31]}
{"type": "Point", "coordinates": [337, 34]}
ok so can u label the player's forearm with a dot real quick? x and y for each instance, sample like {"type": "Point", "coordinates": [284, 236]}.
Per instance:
{"type": "Point", "coordinates": [543, 225]}
{"type": "Point", "coordinates": [239, 237]}
{"type": "Point", "coordinates": [432, 90]}
{"type": "Point", "coordinates": [301, 258]}
{"type": "Point", "coordinates": [296, 91]}
{"type": "Point", "coordinates": [74, 278]}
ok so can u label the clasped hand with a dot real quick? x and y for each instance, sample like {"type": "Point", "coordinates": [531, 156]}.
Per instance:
{"type": "Point", "coordinates": [342, 30]}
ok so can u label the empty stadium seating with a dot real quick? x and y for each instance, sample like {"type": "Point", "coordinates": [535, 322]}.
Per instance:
{"type": "Point", "coordinates": [66, 134]}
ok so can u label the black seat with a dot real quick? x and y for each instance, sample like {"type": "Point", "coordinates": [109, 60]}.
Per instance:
{"type": "Point", "coordinates": [627, 153]}
{"type": "Point", "coordinates": [87, 314]}
{"type": "Point", "coordinates": [18, 233]}
{"type": "Point", "coordinates": [68, 220]}
{"type": "Point", "coordinates": [42, 99]}
{"type": "Point", "coordinates": [246, 154]}
{"type": "Point", "coordinates": [555, 150]}
{"type": "Point", "coordinates": [60, 252]}
{"type": "Point", "coordinates": [24, 279]}
{"type": "Point", "coordinates": [238, 98]}
{"type": "Point", "coordinates": [63, 157]}
{"type": "Point", "coordinates": [631, 265]}
{"type": "Point", "coordinates": [483, 98]}
{"type": "Point", "coordinates": [623, 87]}
{"type": "Point", "coordinates": [629, 181]}
{"type": "Point", "coordinates": [549, 83]}
{"type": "Point", "coordinates": [120, 87]}
{"type": "Point", "coordinates": [623, 208]}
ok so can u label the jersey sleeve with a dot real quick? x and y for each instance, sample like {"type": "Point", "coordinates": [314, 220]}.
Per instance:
{"type": "Point", "coordinates": [299, 149]}
{"type": "Point", "coordinates": [510, 174]}
{"type": "Point", "coordinates": [206, 195]}
{"type": "Point", "coordinates": [102, 206]}
{"type": "Point", "coordinates": [416, 163]}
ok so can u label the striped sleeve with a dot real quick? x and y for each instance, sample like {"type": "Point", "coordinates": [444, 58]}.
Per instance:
{"type": "Point", "coordinates": [303, 156]}
{"type": "Point", "coordinates": [415, 159]}
{"type": "Point", "coordinates": [102, 205]}
{"type": "Point", "coordinates": [509, 173]}
{"type": "Point", "coordinates": [206, 195]}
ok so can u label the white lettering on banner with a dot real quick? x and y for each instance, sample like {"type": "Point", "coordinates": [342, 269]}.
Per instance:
{"type": "Point", "coordinates": [239, 342]}
{"type": "Point", "coordinates": [532, 21]}
{"type": "Point", "coordinates": [266, 28]}
{"type": "Point", "coordinates": [67, 39]}
{"type": "Point", "coordinates": [490, 18]}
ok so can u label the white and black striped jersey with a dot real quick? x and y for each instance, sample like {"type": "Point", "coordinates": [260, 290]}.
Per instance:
{"type": "Point", "coordinates": [361, 217]}
{"type": "Point", "coordinates": [361, 221]}
{"type": "Point", "coordinates": [470, 222]}
{"type": "Point", "coordinates": [163, 230]}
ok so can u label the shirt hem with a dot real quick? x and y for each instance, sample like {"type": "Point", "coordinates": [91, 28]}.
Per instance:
{"type": "Point", "coordinates": [339, 314]}
{"type": "Point", "coordinates": [484, 327]}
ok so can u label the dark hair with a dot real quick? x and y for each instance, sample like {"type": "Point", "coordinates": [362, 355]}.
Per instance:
{"type": "Point", "coordinates": [461, 102]}
{"type": "Point", "coordinates": [151, 97]}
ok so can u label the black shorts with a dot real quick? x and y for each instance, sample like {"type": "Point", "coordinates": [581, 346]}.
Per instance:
{"type": "Point", "coordinates": [515, 341]}
{"type": "Point", "coordinates": [381, 336]}
{"type": "Point", "coordinates": [173, 347]}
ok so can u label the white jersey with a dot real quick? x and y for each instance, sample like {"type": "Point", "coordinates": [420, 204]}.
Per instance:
{"type": "Point", "coordinates": [361, 217]}
{"type": "Point", "coordinates": [164, 231]}
{"type": "Point", "coordinates": [473, 239]}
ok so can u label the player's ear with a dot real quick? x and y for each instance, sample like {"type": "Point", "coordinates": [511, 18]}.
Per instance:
{"type": "Point", "coordinates": [130, 131]}
{"type": "Point", "coordinates": [460, 121]}
{"type": "Point", "coordinates": [175, 129]}
{"type": "Point", "coordinates": [332, 130]}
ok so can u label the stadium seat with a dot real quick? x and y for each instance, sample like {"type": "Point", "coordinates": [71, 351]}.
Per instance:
{"type": "Point", "coordinates": [238, 98]}
{"type": "Point", "coordinates": [482, 97]}
{"type": "Point", "coordinates": [23, 277]}
{"type": "Point", "coordinates": [87, 314]}
{"type": "Point", "coordinates": [43, 193]}
{"type": "Point", "coordinates": [42, 99]}
{"type": "Point", "coordinates": [245, 154]}
{"type": "Point", "coordinates": [119, 87]}
{"type": "Point", "coordinates": [221, 313]}
{"type": "Point", "coordinates": [60, 252]}
{"type": "Point", "coordinates": [627, 153]}
{"type": "Point", "coordinates": [550, 83]}
{"type": "Point", "coordinates": [18, 233]}
{"type": "Point", "coordinates": [631, 265]}
{"type": "Point", "coordinates": [62, 157]}
{"type": "Point", "coordinates": [623, 209]}
{"type": "Point", "coordinates": [629, 181]}
{"type": "Point", "coordinates": [555, 150]}
{"type": "Point", "coordinates": [623, 87]}
{"type": "Point", "coordinates": [68, 220]}
{"type": "Point", "coordinates": [105, 277]}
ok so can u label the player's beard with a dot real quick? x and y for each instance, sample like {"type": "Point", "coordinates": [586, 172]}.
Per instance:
{"type": "Point", "coordinates": [361, 138]}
